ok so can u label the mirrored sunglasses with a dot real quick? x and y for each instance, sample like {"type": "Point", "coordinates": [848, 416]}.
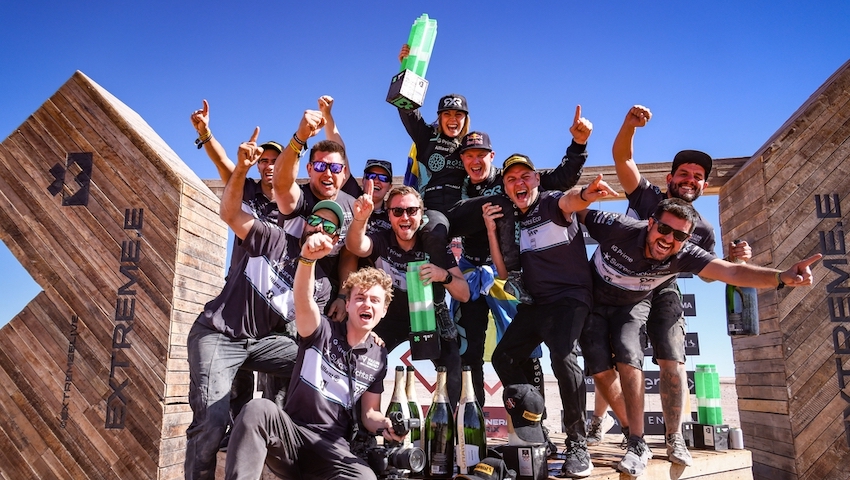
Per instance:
{"type": "Point", "coordinates": [328, 226]}
{"type": "Point", "coordinates": [380, 176]}
{"type": "Point", "coordinates": [321, 166]}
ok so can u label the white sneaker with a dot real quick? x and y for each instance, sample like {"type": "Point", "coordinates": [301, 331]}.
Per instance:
{"type": "Point", "coordinates": [598, 427]}
{"type": "Point", "coordinates": [677, 451]}
{"type": "Point", "coordinates": [636, 458]}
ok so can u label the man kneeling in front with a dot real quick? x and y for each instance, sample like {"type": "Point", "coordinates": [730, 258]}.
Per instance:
{"type": "Point", "coordinates": [338, 364]}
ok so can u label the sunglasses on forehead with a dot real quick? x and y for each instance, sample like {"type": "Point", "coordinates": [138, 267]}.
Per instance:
{"type": "Point", "coordinates": [665, 229]}
{"type": "Point", "coordinates": [399, 211]}
{"type": "Point", "coordinates": [328, 226]}
{"type": "Point", "coordinates": [380, 176]}
{"type": "Point", "coordinates": [321, 166]}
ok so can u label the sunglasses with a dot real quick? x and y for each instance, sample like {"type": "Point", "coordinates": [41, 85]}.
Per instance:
{"type": "Point", "coordinates": [380, 176]}
{"type": "Point", "coordinates": [328, 226]}
{"type": "Point", "coordinates": [665, 229]}
{"type": "Point", "coordinates": [321, 166]}
{"type": "Point", "coordinates": [399, 211]}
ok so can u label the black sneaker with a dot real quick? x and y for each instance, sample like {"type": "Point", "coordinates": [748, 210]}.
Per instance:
{"type": "Point", "coordinates": [551, 448]}
{"type": "Point", "coordinates": [444, 321]}
{"type": "Point", "coordinates": [577, 462]}
{"type": "Point", "coordinates": [515, 287]}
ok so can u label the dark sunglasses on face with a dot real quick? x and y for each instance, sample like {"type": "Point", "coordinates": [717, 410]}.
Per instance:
{"type": "Point", "coordinates": [399, 211]}
{"type": "Point", "coordinates": [665, 229]}
{"type": "Point", "coordinates": [328, 226]}
{"type": "Point", "coordinates": [380, 176]}
{"type": "Point", "coordinates": [321, 166]}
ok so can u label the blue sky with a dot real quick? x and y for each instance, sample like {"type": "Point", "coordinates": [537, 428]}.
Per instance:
{"type": "Point", "coordinates": [719, 76]}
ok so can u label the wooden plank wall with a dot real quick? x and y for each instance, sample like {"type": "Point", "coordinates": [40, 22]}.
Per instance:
{"type": "Point", "coordinates": [794, 415]}
{"type": "Point", "coordinates": [78, 356]}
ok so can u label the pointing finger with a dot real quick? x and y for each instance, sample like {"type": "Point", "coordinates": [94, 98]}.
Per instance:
{"type": "Point", "coordinates": [370, 187]}
{"type": "Point", "coordinates": [255, 135]}
{"type": "Point", "coordinates": [814, 258]}
{"type": "Point", "coordinates": [206, 109]}
{"type": "Point", "coordinates": [578, 114]}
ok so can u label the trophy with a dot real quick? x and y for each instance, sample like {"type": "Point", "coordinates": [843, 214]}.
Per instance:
{"type": "Point", "coordinates": [408, 87]}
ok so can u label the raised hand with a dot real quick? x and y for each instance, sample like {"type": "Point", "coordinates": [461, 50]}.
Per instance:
{"type": "Point", "coordinates": [581, 127]}
{"type": "Point", "coordinates": [638, 116]}
{"type": "Point", "coordinates": [311, 123]}
{"type": "Point", "coordinates": [405, 51]}
{"type": "Point", "coordinates": [364, 205]}
{"type": "Point", "coordinates": [201, 119]}
{"type": "Point", "coordinates": [326, 102]}
{"type": "Point", "coordinates": [249, 152]}
{"type": "Point", "coordinates": [316, 246]}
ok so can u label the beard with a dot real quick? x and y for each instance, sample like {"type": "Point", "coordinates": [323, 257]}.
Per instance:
{"type": "Point", "coordinates": [690, 196]}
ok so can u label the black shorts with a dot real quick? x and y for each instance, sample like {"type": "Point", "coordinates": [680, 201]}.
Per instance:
{"type": "Point", "coordinates": [666, 324]}
{"type": "Point", "coordinates": [614, 334]}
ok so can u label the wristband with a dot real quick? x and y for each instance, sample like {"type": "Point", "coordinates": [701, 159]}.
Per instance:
{"type": "Point", "coordinates": [298, 140]}
{"type": "Point", "coordinates": [342, 296]}
{"type": "Point", "coordinates": [581, 193]}
{"type": "Point", "coordinates": [779, 283]}
{"type": "Point", "coordinates": [203, 138]}
{"type": "Point", "coordinates": [305, 261]}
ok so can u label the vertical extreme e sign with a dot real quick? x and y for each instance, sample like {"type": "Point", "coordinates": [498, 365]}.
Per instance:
{"type": "Point", "coordinates": [833, 248]}
{"type": "Point", "coordinates": [125, 311]}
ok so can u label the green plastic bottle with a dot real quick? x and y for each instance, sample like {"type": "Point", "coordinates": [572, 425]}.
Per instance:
{"type": "Point", "coordinates": [423, 33]}
{"type": "Point", "coordinates": [708, 395]}
{"type": "Point", "coordinates": [420, 300]}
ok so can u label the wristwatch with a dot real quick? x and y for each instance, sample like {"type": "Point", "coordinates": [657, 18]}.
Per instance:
{"type": "Point", "coordinates": [449, 278]}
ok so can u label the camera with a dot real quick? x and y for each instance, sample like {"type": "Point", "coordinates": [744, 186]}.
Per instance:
{"type": "Point", "coordinates": [394, 460]}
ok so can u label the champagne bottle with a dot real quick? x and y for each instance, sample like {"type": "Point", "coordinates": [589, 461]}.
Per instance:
{"type": "Point", "coordinates": [471, 431]}
{"type": "Point", "coordinates": [439, 432]}
{"type": "Point", "coordinates": [742, 309]}
{"type": "Point", "coordinates": [413, 406]}
{"type": "Point", "coordinates": [398, 402]}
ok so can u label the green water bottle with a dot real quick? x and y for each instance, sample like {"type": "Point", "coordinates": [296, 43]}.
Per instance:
{"type": "Point", "coordinates": [420, 300]}
{"type": "Point", "coordinates": [708, 395]}
{"type": "Point", "coordinates": [423, 33]}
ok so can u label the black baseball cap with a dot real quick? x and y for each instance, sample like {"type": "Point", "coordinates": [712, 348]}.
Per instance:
{"type": "Point", "coordinates": [490, 468]}
{"type": "Point", "coordinates": [475, 140]}
{"type": "Point", "coordinates": [453, 101]}
{"type": "Point", "coordinates": [272, 145]}
{"type": "Point", "coordinates": [525, 405]}
{"type": "Point", "coordinates": [379, 163]}
{"type": "Point", "coordinates": [692, 156]}
{"type": "Point", "coordinates": [517, 159]}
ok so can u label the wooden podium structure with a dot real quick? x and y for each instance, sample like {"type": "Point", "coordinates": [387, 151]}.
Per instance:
{"type": "Point", "coordinates": [126, 243]}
